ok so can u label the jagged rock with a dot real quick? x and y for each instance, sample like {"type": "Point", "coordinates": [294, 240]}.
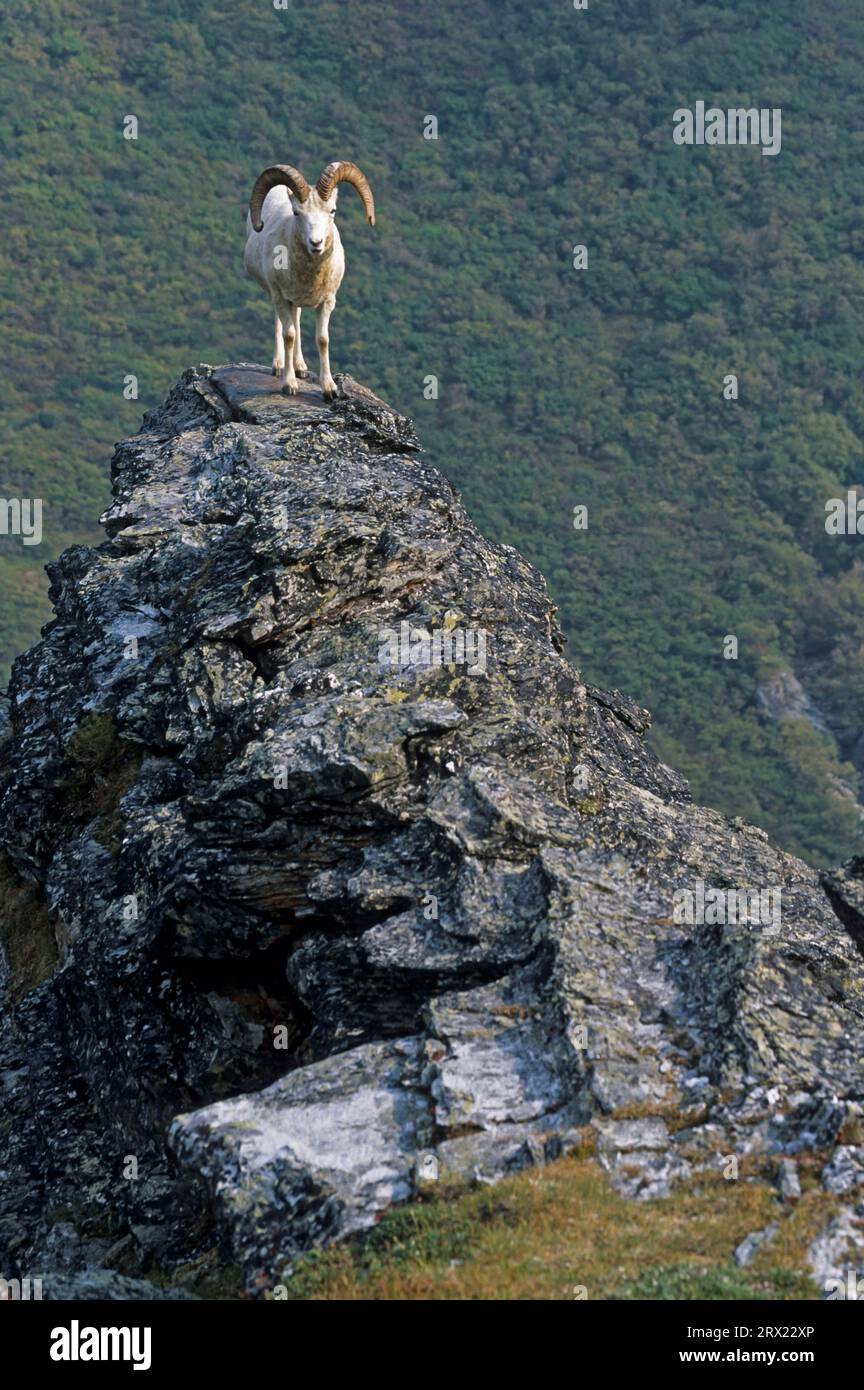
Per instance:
{"type": "Point", "coordinates": [350, 884]}
{"type": "Point", "coordinates": [837, 1254]}
{"type": "Point", "coordinates": [788, 1181]}
{"type": "Point", "coordinates": [63, 1247]}
{"type": "Point", "coordinates": [639, 1156]}
{"type": "Point", "coordinates": [508, 1148]}
{"type": "Point", "coordinates": [320, 1153]}
{"type": "Point", "coordinates": [845, 1172]}
{"type": "Point", "coordinates": [750, 1246]}
{"type": "Point", "coordinates": [784, 697]}
{"type": "Point", "coordinates": [104, 1285]}
{"type": "Point", "coordinates": [845, 888]}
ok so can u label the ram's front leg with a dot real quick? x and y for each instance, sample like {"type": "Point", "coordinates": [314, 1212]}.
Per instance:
{"type": "Point", "coordinates": [278, 345]}
{"type": "Point", "coordinates": [300, 367]}
{"type": "Point", "coordinates": [322, 333]}
{"type": "Point", "coordinates": [289, 337]}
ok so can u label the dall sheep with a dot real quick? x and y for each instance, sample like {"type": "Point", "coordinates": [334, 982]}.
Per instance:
{"type": "Point", "coordinates": [294, 251]}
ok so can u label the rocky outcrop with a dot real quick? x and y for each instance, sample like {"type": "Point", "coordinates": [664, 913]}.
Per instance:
{"type": "Point", "coordinates": [349, 884]}
{"type": "Point", "coordinates": [783, 696]}
{"type": "Point", "coordinates": [845, 888]}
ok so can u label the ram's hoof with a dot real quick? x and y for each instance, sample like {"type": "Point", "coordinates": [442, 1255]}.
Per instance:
{"type": "Point", "coordinates": [290, 389]}
{"type": "Point", "coordinates": [302, 372]}
{"type": "Point", "coordinates": [331, 391]}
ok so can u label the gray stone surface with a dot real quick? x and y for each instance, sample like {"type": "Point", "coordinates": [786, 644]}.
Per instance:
{"type": "Point", "coordinates": [837, 1254]}
{"type": "Point", "coordinates": [845, 888]}
{"type": "Point", "coordinates": [105, 1285]}
{"type": "Point", "coordinates": [327, 924]}
{"type": "Point", "coordinates": [845, 1172]}
{"type": "Point", "coordinates": [788, 1181]}
{"type": "Point", "coordinates": [321, 1152]}
{"type": "Point", "coordinates": [746, 1252]}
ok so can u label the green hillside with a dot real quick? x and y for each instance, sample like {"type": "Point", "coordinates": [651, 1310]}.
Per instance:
{"type": "Point", "coordinates": [557, 387]}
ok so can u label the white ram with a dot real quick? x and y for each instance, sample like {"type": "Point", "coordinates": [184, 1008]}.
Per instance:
{"type": "Point", "coordinates": [294, 252]}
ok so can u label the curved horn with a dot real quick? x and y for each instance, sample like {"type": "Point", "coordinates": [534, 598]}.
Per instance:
{"type": "Point", "coordinates": [341, 171]}
{"type": "Point", "coordinates": [271, 178]}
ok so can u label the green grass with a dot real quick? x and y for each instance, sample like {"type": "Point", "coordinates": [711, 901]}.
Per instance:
{"type": "Point", "coordinates": [555, 1232]}
{"type": "Point", "coordinates": [687, 1282]}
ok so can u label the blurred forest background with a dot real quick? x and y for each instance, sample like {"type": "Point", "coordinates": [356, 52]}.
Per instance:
{"type": "Point", "coordinates": [557, 387]}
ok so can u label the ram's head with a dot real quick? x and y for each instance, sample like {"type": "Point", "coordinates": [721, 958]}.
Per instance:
{"type": "Point", "coordinates": [315, 207]}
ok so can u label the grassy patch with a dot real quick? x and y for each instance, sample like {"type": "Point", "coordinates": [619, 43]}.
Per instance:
{"type": "Point", "coordinates": [102, 768]}
{"type": "Point", "coordinates": [26, 933]}
{"type": "Point", "coordinates": [688, 1282]}
{"type": "Point", "coordinates": [544, 1234]}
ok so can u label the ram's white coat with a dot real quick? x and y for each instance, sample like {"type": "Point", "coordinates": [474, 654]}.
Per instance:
{"type": "Point", "coordinates": [297, 257]}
